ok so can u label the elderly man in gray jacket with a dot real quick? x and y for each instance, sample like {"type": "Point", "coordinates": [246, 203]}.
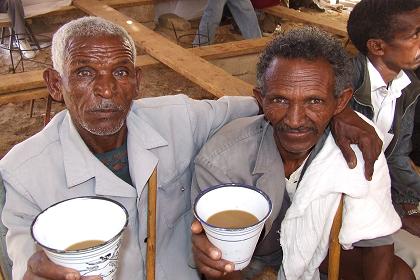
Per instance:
{"type": "Point", "coordinates": [289, 154]}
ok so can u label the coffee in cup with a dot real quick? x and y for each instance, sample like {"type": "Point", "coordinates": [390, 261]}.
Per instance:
{"type": "Point", "coordinates": [217, 208]}
{"type": "Point", "coordinates": [82, 233]}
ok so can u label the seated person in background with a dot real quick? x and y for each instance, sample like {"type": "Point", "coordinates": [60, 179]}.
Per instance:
{"type": "Point", "coordinates": [387, 35]}
{"type": "Point", "coordinates": [107, 144]}
{"type": "Point", "coordinates": [289, 153]}
{"type": "Point", "coordinates": [16, 14]}
{"type": "Point", "coordinates": [243, 13]}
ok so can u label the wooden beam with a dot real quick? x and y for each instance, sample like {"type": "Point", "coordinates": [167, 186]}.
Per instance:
{"type": "Point", "coordinates": [231, 49]}
{"type": "Point", "coordinates": [333, 26]}
{"type": "Point", "coordinates": [33, 79]}
{"type": "Point", "coordinates": [111, 3]}
{"type": "Point", "coordinates": [218, 51]}
{"type": "Point", "coordinates": [126, 3]}
{"type": "Point", "coordinates": [25, 95]}
{"type": "Point", "coordinates": [21, 81]}
{"type": "Point", "coordinates": [211, 78]}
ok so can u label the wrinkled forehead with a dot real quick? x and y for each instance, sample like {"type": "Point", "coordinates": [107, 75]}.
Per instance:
{"type": "Point", "coordinates": [293, 70]}
{"type": "Point", "coordinates": [97, 48]}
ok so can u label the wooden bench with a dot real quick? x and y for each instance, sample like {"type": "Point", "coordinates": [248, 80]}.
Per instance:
{"type": "Point", "coordinates": [334, 26]}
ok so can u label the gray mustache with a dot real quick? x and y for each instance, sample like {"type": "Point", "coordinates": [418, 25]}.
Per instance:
{"type": "Point", "coordinates": [286, 128]}
{"type": "Point", "coordinates": [106, 105]}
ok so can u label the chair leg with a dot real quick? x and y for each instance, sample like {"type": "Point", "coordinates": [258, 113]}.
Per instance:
{"type": "Point", "coordinates": [31, 108]}
{"type": "Point", "coordinates": [47, 110]}
{"type": "Point", "coordinates": [11, 38]}
{"type": "Point", "coordinates": [3, 30]}
{"type": "Point", "coordinates": [335, 248]}
{"type": "Point", "coordinates": [32, 36]}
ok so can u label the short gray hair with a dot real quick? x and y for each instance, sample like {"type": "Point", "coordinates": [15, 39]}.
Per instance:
{"type": "Point", "coordinates": [85, 26]}
{"type": "Point", "coordinates": [309, 43]}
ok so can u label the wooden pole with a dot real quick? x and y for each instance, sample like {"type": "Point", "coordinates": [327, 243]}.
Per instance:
{"type": "Point", "coordinates": [151, 226]}
{"type": "Point", "coordinates": [47, 116]}
{"type": "Point", "coordinates": [335, 248]}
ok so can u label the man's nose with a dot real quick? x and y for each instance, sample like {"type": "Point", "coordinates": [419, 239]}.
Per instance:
{"type": "Point", "coordinates": [105, 86]}
{"type": "Point", "coordinates": [295, 116]}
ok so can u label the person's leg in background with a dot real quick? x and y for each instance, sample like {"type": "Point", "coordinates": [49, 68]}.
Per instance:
{"type": "Point", "coordinates": [209, 22]}
{"type": "Point", "coordinates": [17, 18]}
{"type": "Point", "coordinates": [244, 15]}
{"type": "Point", "coordinates": [3, 6]}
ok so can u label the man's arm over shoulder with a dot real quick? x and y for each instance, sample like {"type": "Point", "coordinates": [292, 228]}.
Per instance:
{"type": "Point", "coordinates": [208, 116]}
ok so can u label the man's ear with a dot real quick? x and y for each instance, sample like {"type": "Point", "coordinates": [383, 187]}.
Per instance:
{"type": "Point", "coordinates": [139, 75]}
{"type": "Point", "coordinates": [53, 81]}
{"type": "Point", "coordinates": [343, 99]}
{"type": "Point", "coordinates": [375, 46]}
{"type": "Point", "coordinates": [258, 95]}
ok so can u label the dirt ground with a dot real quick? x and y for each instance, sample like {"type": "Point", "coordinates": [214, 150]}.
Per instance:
{"type": "Point", "coordinates": [15, 123]}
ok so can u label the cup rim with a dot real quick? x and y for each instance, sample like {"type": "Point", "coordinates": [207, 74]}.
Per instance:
{"type": "Point", "coordinates": [85, 249]}
{"type": "Point", "coordinates": [202, 193]}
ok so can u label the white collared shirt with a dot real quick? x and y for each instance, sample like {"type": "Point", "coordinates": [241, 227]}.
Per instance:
{"type": "Point", "coordinates": [384, 98]}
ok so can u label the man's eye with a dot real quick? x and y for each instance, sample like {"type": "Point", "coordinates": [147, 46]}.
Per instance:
{"type": "Point", "coordinates": [315, 101]}
{"type": "Point", "coordinates": [279, 100]}
{"type": "Point", "coordinates": [84, 73]}
{"type": "Point", "coordinates": [121, 73]}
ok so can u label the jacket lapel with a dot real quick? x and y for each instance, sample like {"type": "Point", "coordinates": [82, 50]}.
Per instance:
{"type": "Point", "coordinates": [81, 165]}
{"type": "Point", "coordinates": [141, 139]}
{"type": "Point", "coordinates": [76, 155]}
{"type": "Point", "coordinates": [362, 93]}
{"type": "Point", "coordinates": [270, 165]}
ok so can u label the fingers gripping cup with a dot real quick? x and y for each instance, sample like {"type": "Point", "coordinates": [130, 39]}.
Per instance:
{"type": "Point", "coordinates": [82, 233]}
{"type": "Point", "coordinates": [233, 216]}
